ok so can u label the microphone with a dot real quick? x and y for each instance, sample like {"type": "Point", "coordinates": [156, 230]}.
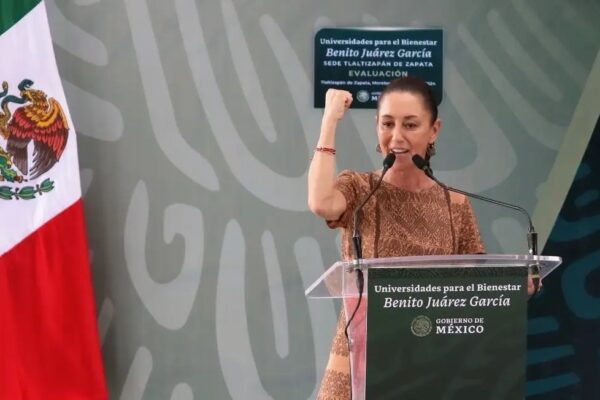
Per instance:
{"type": "Point", "coordinates": [388, 161]}
{"type": "Point", "coordinates": [532, 242]}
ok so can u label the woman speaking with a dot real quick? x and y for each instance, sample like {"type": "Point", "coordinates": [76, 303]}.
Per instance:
{"type": "Point", "coordinates": [409, 215]}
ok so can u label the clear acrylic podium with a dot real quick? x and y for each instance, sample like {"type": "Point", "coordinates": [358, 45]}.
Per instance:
{"type": "Point", "coordinates": [340, 281]}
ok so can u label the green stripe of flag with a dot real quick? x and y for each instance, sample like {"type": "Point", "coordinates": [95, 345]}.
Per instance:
{"type": "Point", "coordinates": [11, 11]}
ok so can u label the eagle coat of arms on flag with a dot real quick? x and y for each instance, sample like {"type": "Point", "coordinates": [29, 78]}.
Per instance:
{"type": "Point", "coordinates": [33, 136]}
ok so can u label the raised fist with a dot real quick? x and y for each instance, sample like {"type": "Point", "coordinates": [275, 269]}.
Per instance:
{"type": "Point", "coordinates": [336, 103]}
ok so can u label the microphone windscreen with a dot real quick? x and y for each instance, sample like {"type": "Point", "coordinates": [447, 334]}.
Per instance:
{"type": "Point", "coordinates": [388, 161]}
{"type": "Point", "coordinates": [419, 161]}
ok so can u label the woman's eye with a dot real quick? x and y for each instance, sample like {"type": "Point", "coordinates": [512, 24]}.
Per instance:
{"type": "Point", "coordinates": [387, 124]}
{"type": "Point", "coordinates": [410, 125]}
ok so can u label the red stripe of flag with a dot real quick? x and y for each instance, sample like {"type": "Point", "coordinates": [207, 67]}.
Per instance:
{"type": "Point", "coordinates": [49, 347]}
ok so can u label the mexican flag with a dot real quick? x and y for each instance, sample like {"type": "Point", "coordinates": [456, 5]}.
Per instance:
{"type": "Point", "coordinates": [49, 347]}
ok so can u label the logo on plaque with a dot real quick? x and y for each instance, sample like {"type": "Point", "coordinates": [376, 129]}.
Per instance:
{"type": "Point", "coordinates": [421, 326]}
{"type": "Point", "coordinates": [363, 96]}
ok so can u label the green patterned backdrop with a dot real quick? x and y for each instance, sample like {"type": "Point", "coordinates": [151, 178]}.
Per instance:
{"type": "Point", "coordinates": [196, 125]}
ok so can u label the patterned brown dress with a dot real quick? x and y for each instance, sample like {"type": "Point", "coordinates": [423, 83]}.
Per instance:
{"type": "Point", "coordinates": [394, 223]}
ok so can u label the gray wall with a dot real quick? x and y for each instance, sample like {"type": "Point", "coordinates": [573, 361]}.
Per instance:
{"type": "Point", "coordinates": [196, 127]}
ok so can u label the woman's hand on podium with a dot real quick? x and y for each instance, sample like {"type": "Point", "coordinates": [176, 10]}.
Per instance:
{"type": "Point", "coordinates": [531, 289]}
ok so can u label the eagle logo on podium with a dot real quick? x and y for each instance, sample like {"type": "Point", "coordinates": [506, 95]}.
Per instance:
{"type": "Point", "coordinates": [421, 326]}
{"type": "Point", "coordinates": [33, 138]}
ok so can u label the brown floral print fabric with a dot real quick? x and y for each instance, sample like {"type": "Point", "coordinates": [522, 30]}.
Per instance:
{"type": "Point", "coordinates": [394, 223]}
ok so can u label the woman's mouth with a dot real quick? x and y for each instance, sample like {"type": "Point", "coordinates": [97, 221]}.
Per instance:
{"type": "Point", "coordinates": [398, 151]}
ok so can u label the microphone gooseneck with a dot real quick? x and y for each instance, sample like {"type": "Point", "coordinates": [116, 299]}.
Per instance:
{"type": "Point", "coordinates": [423, 165]}
{"type": "Point", "coordinates": [388, 161]}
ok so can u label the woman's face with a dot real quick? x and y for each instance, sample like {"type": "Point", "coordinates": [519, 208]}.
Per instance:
{"type": "Point", "coordinates": [404, 127]}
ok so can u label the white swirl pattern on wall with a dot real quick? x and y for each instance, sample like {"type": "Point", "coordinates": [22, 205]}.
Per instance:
{"type": "Point", "coordinates": [138, 375]}
{"type": "Point", "coordinates": [544, 131]}
{"type": "Point", "coordinates": [523, 60]}
{"type": "Point", "coordinates": [233, 344]}
{"type": "Point", "coordinates": [493, 148]}
{"type": "Point", "coordinates": [74, 39]}
{"type": "Point", "coordinates": [277, 295]}
{"type": "Point", "coordinates": [182, 391]}
{"type": "Point", "coordinates": [160, 106]}
{"type": "Point", "coordinates": [561, 54]}
{"type": "Point", "coordinates": [105, 317]}
{"type": "Point", "coordinates": [322, 312]}
{"type": "Point", "coordinates": [169, 303]}
{"type": "Point", "coordinates": [247, 75]}
{"type": "Point", "coordinates": [103, 120]}
{"type": "Point", "coordinates": [274, 189]}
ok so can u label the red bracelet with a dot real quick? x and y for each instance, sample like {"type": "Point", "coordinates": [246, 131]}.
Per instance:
{"type": "Point", "coordinates": [326, 150]}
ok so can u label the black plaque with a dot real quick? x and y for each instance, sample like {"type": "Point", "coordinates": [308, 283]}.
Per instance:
{"type": "Point", "coordinates": [364, 60]}
{"type": "Point", "coordinates": [438, 333]}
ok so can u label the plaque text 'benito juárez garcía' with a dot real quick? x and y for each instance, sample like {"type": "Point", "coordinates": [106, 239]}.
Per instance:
{"type": "Point", "coordinates": [494, 300]}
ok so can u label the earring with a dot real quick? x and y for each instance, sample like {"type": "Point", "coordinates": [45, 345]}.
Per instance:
{"type": "Point", "coordinates": [378, 148]}
{"type": "Point", "coordinates": [430, 151]}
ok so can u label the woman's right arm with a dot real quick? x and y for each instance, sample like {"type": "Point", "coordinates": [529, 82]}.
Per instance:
{"type": "Point", "coordinates": [323, 197]}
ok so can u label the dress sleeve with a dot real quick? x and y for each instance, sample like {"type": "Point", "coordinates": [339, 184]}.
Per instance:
{"type": "Point", "coordinates": [469, 241]}
{"type": "Point", "coordinates": [347, 183]}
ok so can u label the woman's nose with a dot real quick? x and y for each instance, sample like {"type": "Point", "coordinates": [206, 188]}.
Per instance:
{"type": "Point", "coordinates": [398, 134]}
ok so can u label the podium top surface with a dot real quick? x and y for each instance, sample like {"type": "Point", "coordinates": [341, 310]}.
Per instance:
{"type": "Point", "coordinates": [329, 284]}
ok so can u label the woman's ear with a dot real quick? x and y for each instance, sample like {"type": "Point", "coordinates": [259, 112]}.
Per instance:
{"type": "Point", "coordinates": [435, 130]}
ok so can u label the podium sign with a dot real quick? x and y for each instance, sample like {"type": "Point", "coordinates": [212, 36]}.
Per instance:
{"type": "Point", "coordinates": [446, 333]}
{"type": "Point", "coordinates": [439, 327]}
